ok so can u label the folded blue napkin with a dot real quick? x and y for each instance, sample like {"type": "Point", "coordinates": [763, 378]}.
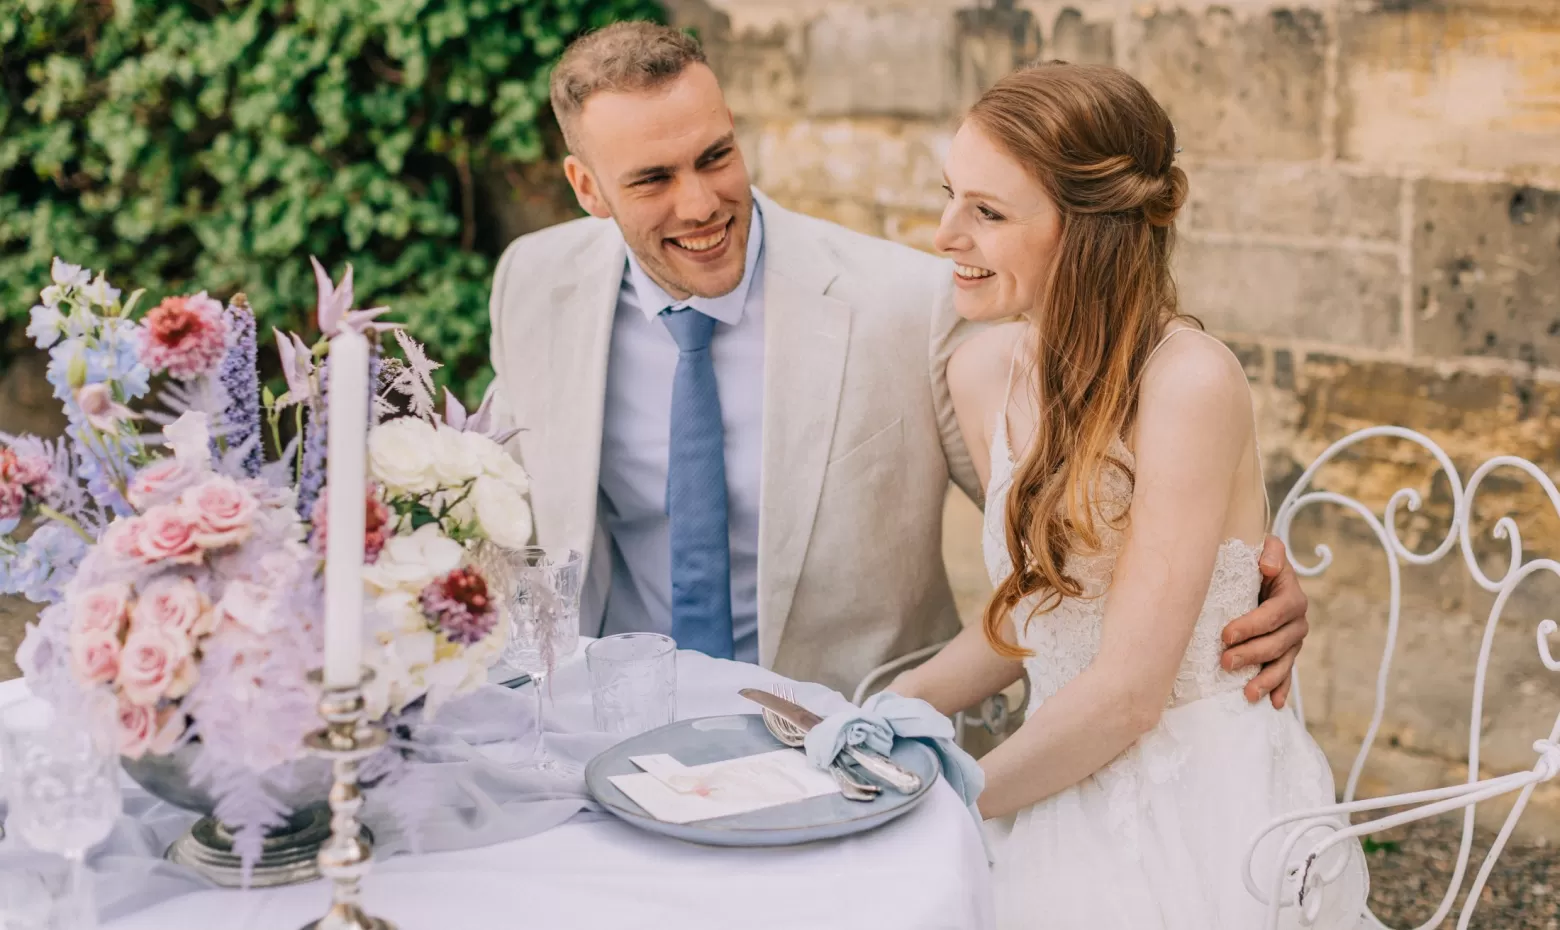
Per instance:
{"type": "Point", "coordinates": [883, 717]}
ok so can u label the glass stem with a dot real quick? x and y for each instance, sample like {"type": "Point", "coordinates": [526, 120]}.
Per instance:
{"type": "Point", "coordinates": [539, 751]}
{"type": "Point", "coordinates": [81, 911]}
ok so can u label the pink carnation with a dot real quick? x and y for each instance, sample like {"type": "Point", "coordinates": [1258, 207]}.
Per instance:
{"type": "Point", "coordinates": [35, 473]}
{"type": "Point", "coordinates": [15, 481]}
{"type": "Point", "coordinates": [223, 512]}
{"type": "Point", "coordinates": [94, 656]}
{"type": "Point", "coordinates": [167, 532]}
{"type": "Point", "coordinates": [175, 605]}
{"type": "Point", "coordinates": [159, 483]}
{"type": "Point", "coordinates": [143, 729]}
{"type": "Point", "coordinates": [184, 336]}
{"type": "Point", "coordinates": [12, 498]}
{"type": "Point", "coordinates": [155, 664]}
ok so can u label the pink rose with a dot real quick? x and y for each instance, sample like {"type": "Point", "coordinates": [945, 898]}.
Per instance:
{"type": "Point", "coordinates": [123, 539]}
{"type": "Point", "coordinates": [223, 512]}
{"type": "Point", "coordinates": [159, 483]}
{"type": "Point", "coordinates": [144, 730]}
{"type": "Point", "coordinates": [167, 532]}
{"type": "Point", "coordinates": [101, 610]}
{"type": "Point", "coordinates": [94, 656]}
{"type": "Point", "coordinates": [176, 606]}
{"type": "Point", "coordinates": [155, 664]}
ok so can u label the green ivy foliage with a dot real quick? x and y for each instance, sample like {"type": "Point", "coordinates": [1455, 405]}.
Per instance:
{"type": "Point", "coordinates": [216, 144]}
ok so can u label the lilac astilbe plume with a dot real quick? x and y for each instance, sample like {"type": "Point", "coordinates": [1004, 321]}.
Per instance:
{"type": "Point", "coordinates": [312, 476]}
{"type": "Point", "coordinates": [240, 378]}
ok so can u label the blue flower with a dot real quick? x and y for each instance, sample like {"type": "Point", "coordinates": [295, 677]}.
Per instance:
{"type": "Point", "coordinates": [43, 565]}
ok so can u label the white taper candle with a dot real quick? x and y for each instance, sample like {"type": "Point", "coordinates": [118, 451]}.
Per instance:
{"type": "Point", "coordinates": [346, 478]}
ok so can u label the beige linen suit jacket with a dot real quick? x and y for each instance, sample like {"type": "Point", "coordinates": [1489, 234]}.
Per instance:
{"type": "Point", "coordinates": [859, 436]}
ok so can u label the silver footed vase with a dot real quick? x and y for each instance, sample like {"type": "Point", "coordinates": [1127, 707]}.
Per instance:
{"type": "Point", "coordinates": [289, 853]}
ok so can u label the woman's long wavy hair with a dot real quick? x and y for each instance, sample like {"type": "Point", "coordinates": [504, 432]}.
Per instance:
{"type": "Point", "coordinates": [1104, 150]}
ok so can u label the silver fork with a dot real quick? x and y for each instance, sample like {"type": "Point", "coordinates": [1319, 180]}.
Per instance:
{"type": "Point", "coordinates": [790, 734]}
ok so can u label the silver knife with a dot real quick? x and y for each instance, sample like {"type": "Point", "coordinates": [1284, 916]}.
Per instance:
{"type": "Point", "coordinates": [875, 764]}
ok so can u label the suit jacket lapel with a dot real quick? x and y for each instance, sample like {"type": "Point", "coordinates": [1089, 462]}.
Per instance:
{"type": "Point", "coordinates": [806, 335]}
{"type": "Point", "coordinates": [579, 341]}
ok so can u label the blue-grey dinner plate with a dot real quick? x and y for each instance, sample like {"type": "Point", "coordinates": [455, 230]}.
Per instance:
{"type": "Point", "coordinates": [713, 739]}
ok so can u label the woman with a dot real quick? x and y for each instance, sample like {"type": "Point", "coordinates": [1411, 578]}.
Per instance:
{"type": "Point", "coordinates": [1123, 478]}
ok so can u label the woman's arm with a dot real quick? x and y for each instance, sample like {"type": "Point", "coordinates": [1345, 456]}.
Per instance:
{"type": "Point", "coordinates": [964, 673]}
{"type": "Point", "coordinates": [1194, 427]}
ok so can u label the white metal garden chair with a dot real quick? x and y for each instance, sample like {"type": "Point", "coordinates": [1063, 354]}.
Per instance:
{"type": "Point", "coordinates": [1324, 829]}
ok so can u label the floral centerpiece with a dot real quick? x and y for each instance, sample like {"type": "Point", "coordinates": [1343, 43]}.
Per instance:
{"type": "Point", "coordinates": [177, 541]}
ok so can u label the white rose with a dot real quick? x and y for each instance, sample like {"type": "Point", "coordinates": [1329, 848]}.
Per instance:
{"type": "Point", "coordinates": [455, 460]}
{"type": "Point", "coordinates": [503, 512]}
{"type": "Point", "coordinates": [410, 562]}
{"type": "Point", "coordinates": [500, 464]}
{"type": "Point", "coordinates": [401, 455]}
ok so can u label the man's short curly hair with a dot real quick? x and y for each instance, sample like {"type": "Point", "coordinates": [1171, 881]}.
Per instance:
{"type": "Point", "coordinates": [628, 56]}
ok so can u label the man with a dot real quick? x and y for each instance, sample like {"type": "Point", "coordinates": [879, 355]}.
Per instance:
{"type": "Point", "coordinates": [739, 412]}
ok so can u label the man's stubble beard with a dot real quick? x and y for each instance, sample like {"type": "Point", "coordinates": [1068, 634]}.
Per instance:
{"type": "Point", "coordinates": [660, 269]}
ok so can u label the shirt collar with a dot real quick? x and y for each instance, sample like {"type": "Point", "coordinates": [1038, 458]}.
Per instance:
{"type": "Point", "coordinates": [726, 308]}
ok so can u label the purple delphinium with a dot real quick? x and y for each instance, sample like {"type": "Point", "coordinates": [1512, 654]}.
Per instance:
{"type": "Point", "coordinates": [241, 380]}
{"type": "Point", "coordinates": [312, 476]}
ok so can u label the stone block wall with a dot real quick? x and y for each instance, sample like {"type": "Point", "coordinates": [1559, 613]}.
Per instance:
{"type": "Point", "coordinates": [1374, 226]}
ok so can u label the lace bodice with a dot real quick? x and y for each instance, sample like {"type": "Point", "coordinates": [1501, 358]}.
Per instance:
{"type": "Point", "coordinates": [1066, 640]}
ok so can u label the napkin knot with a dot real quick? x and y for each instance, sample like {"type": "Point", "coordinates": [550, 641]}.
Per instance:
{"type": "Point", "coordinates": [883, 717]}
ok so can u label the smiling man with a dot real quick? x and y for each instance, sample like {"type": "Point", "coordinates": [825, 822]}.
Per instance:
{"type": "Point", "coordinates": [738, 412]}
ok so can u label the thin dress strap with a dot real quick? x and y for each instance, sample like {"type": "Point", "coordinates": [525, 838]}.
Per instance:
{"type": "Point", "coordinates": [1002, 414]}
{"type": "Point", "coordinates": [1267, 505]}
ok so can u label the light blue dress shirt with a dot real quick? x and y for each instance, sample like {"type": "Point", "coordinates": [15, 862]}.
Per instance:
{"type": "Point", "coordinates": [635, 445]}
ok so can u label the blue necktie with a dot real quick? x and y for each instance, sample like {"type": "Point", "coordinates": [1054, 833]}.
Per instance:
{"type": "Point", "coordinates": [696, 493]}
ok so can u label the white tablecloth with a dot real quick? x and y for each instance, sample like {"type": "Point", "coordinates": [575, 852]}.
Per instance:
{"type": "Point", "coordinates": [926, 870]}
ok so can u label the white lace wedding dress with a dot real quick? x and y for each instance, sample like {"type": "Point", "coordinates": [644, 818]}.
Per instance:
{"type": "Point", "coordinates": [1157, 839]}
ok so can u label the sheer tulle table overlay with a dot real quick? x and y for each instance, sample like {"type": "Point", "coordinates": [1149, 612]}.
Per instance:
{"type": "Point", "coordinates": [505, 848]}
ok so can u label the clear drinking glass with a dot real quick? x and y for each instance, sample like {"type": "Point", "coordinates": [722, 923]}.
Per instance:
{"type": "Point", "coordinates": [62, 786]}
{"type": "Point", "coordinates": [633, 682]}
{"type": "Point", "coordinates": [537, 589]}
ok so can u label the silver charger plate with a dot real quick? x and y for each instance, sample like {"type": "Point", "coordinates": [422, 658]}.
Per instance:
{"type": "Point", "coordinates": [713, 739]}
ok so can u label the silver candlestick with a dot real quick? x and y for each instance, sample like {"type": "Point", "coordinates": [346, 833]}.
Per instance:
{"type": "Point", "coordinates": [346, 739]}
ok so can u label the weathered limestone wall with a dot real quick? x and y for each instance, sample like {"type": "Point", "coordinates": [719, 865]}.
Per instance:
{"type": "Point", "coordinates": [1374, 226]}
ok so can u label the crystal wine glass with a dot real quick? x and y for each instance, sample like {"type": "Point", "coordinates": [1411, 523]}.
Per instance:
{"type": "Point", "coordinates": [62, 785]}
{"type": "Point", "coordinates": [538, 592]}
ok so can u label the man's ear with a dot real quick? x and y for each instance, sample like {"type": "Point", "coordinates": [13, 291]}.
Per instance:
{"type": "Point", "coordinates": [586, 190]}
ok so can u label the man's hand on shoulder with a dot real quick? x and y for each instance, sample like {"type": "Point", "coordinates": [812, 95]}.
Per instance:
{"type": "Point", "coordinates": [1272, 634]}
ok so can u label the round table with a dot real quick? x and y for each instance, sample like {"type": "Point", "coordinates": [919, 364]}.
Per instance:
{"type": "Point", "coordinates": [926, 870]}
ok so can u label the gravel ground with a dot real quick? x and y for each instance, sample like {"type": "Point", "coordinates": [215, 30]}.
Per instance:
{"type": "Point", "coordinates": [1409, 867]}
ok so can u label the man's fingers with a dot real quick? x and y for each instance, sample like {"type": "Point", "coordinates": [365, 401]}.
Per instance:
{"type": "Point", "coordinates": [1264, 649]}
{"type": "Point", "coordinates": [1274, 557]}
{"type": "Point", "coordinates": [1281, 693]}
{"type": "Point", "coordinates": [1273, 676]}
{"type": "Point", "coordinates": [1262, 620]}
